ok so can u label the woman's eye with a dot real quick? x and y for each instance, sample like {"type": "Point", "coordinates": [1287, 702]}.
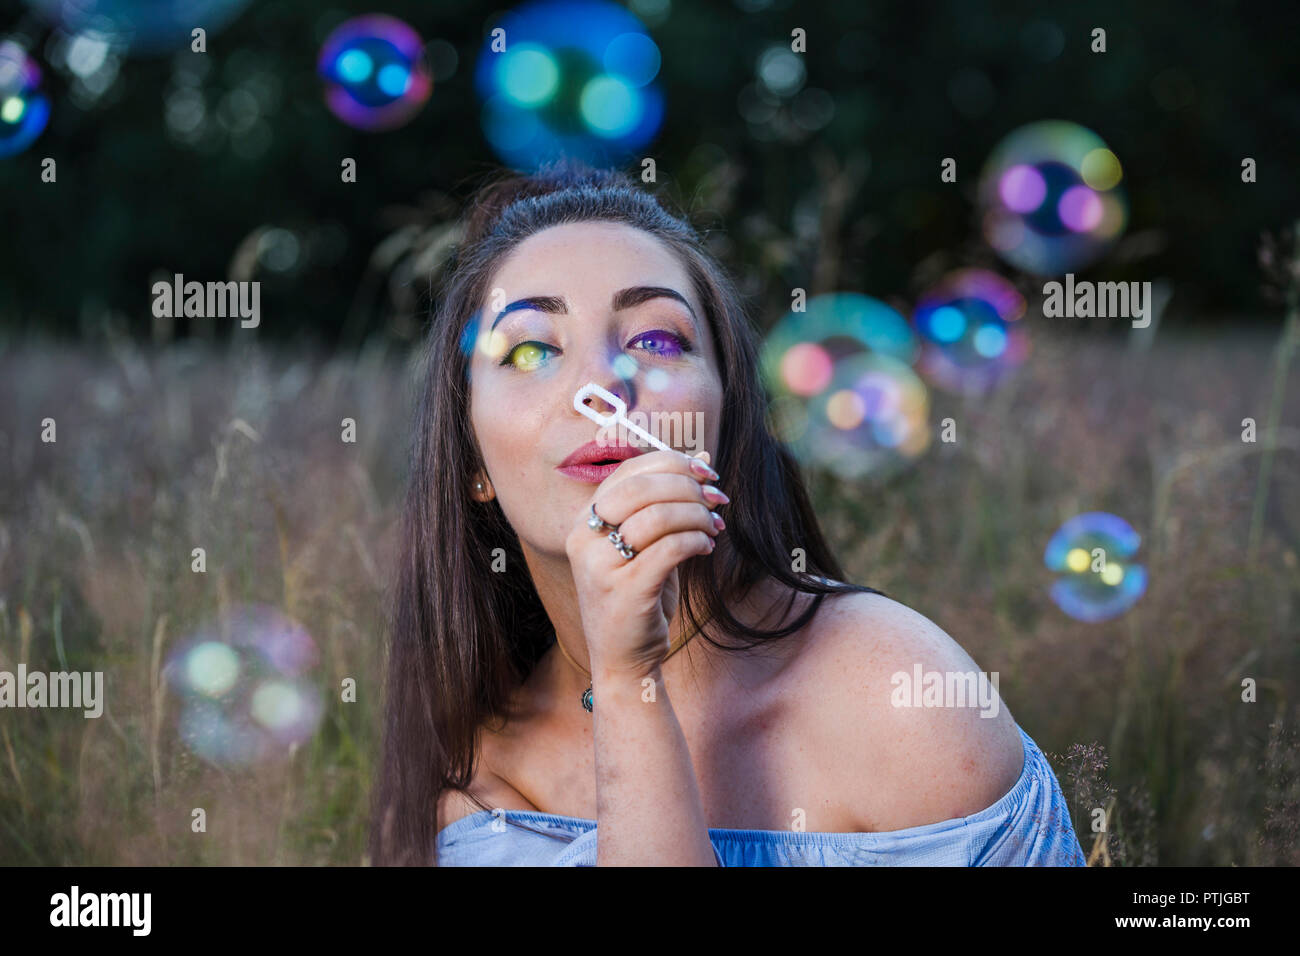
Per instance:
{"type": "Point", "coordinates": [526, 355]}
{"type": "Point", "coordinates": [664, 343]}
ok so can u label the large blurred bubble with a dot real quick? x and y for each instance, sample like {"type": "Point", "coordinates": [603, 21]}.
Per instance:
{"type": "Point", "coordinates": [376, 73]}
{"type": "Point", "coordinates": [970, 327]}
{"type": "Point", "coordinates": [575, 78]}
{"type": "Point", "coordinates": [245, 687]}
{"type": "Point", "coordinates": [146, 27]}
{"type": "Point", "coordinates": [1051, 198]}
{"type": "Point", "coordinates": [1094, 552]}
{"type": "Point", "coordinates": [24, 108]}
{"type": "Point", "coordinates": [844, 397]}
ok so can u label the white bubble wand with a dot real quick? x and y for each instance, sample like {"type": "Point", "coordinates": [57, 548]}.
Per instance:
{"type": "Point", "coordinates": [619, 415]}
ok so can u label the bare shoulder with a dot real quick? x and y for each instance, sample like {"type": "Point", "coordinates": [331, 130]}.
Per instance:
{"type": "Point", "coordinates": [918, 733]}
{"type": "Point", "coordinates": [491, 789]}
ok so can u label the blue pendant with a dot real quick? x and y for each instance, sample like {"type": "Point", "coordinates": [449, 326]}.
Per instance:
{"type": "Point", "coordinates": [587, 699]}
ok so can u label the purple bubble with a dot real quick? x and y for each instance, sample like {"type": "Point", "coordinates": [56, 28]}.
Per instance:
{"type": "Point", "coordinates": [1080, 209]}
{"type": "Point", "coordinates": [1022, 188]}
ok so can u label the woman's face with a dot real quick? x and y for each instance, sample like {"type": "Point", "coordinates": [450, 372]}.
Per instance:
{"type": "Point", "coordinates": [578, 303]}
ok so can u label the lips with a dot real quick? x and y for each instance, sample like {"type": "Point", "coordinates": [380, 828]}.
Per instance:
{"type": "Point", "coordinates": [593, 452]}
{"type": "Point", "coordinates": [585, 462]}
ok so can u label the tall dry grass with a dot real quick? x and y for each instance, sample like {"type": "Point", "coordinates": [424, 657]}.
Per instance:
{"type": "Point", "coordinates": [238, 451]}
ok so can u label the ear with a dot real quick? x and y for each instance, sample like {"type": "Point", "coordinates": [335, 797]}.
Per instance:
{"type": "Point", "coordinates": [482, 489]}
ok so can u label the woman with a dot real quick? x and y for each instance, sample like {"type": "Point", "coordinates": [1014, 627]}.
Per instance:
{"type": "Point", "coordinates": [628, 646]}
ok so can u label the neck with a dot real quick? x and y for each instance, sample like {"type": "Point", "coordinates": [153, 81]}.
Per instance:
{"type": "Point", "coordinates": [691, 668]}
{"type": "Point", "coordinates": [553, 579]}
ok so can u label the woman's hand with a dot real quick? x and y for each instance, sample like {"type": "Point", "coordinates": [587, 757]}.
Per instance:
{"type": "Point", "coordinates": [662, 502]}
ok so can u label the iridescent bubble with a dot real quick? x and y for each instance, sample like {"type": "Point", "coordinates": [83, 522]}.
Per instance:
{"type": "Point", "coordinates": [376, 72]}
{"type": "Point", "coordinates": [634, 57]}
{"type": "Point", "coordinates": [1051, 198]}
{"type": "Point", "coordinates": [212, 668]}
{"type": "Point", "coordinates": [657, 380]}
{"type": "Point", "coordinates": [556, 91]}
{"type": "Point", "coordinates": [24, 107]}
{"type": "Point", "coordinates": [245, 688]}
{"type": "Point", "coordinates": [1095, 552]}
{"type": "Point", "coordinates": [843, 396]}
{"type": "Point", "coordinates": [146, 27]}
{"type": "Point", "coordinates": [807, 368]}
{"type": "Point", "coordinates": [970, 329]}
{"type": "Point", "coordinates": [624, 366]}
{"type": "Point", "coordinates": [284, 710]}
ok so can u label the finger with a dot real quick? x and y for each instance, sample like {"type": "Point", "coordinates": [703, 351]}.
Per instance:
{"type": "Point", "coordinates": [617, 502]}
{"type": "Point", "coordinates": [656, 521]}
{"type": "Point", "coordinates": [657, 561]}
{"type": "Point", "coordinates": [665, 461]}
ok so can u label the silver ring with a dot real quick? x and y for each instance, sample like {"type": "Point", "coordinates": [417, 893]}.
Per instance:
{"type": "Point", "coordinates": [623, 547]}
{"type": "Point", "coordinates": [597, 523]}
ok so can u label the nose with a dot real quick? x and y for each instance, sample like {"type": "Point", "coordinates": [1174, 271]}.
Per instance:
{"type": "Point", "coordinates": [623, 388]}
{"type": "Point", "coordinates": [599, 404]}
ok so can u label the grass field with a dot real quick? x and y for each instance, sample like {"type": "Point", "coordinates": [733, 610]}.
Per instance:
{"type": "Point", "coordinates": [238, 451]}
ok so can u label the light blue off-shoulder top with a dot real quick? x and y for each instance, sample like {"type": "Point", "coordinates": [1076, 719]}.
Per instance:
{"type": "Point", "coordinates": [1029, 826]}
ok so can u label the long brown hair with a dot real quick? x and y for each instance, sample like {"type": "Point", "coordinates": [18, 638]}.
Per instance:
{"type": "Point", "coordinates": [463, 638]}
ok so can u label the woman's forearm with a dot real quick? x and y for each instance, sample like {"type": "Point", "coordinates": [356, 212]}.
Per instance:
{"type": "Point", "coordinates": [647, 799]}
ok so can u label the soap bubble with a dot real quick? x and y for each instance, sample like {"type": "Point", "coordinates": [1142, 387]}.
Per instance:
{"type": "Point", "coordinates": [576, 78]}
{"type": "Point", "coordinates": [843, 395]}
{"type": "Point", "coordinates": [970, 328]}
{"type": "Point", "coordinates": [24, 108]}
{"type": "Point", "coordinates": [377, 75]}
{"type": "Point", "coordinates": [1094, 552]}
{"type": "Point", "coordinates": [245, 692]}
{"type": "Point", "coordinates": [1051, 198]}
{"type": "Point", "coordinates": [146, 27]}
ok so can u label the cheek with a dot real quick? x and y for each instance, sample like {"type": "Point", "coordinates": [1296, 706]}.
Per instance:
{"type": "Point", "coordinates": [510, 439]}
{"type": "Point", "coordinates": [701, 399]}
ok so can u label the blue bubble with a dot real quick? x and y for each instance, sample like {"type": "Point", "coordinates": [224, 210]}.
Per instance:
{"type": "Point", "coordinates": [528, 75]}
{"type": "Point", "coordinates": [355, 66]}
{"type": "Point", "coordinates": [1095, 554]}
{"type": "Point", "coordinates": [394, 79]}
{"type": "Point", "coordinates": [610, 107]}
{"type": "Point", "coordinates": [947, 324]}
{"type": "Point", "coordinates": [558, 91]}
{"type": "Point", "coordinates": [376, 73]}
{"type": "Point", "coordinates": [990, 341]}
{"type": "Point", "coordinates": [634, 57]}
{"type": "Point", "coordinates": [970, 328]}
{"type": "Point", "coordinates": [24, 107]}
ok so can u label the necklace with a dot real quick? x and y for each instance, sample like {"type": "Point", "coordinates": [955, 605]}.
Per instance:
{"type": "Point", "coordinates": [587, 700]}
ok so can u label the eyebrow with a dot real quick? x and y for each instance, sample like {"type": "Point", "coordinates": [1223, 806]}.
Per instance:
{"type": "Point", "coordinates": [623, 299]}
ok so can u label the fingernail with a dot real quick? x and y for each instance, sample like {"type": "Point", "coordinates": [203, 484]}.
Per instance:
{"type": "Point", "coordinates": [718, 522]}
{"type": "Point", "coordinates": [715, 494]}
{"type": "Point", "coordinates": [703, 470]}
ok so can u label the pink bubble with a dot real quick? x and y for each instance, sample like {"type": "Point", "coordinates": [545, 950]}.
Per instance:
{"type": "Point", "coordinates": [807, 369]}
